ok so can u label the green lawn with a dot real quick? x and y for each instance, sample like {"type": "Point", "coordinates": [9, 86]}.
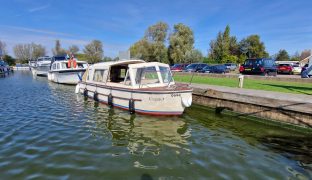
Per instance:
{"type": "Point", "coordinates": [268, 85]}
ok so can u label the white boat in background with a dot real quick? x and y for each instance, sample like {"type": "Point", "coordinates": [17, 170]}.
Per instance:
{"type": "Point", "coordinates": [31, 64]}
{"type": "Point", "coordinates": [136, 86]}
{"type": "Point", "coordinates": [42, 66]}
{"type": "Point", "coordinates": [66, 71]}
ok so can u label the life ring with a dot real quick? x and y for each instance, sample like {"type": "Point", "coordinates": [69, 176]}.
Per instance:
{"type": "Point", "coordinates": [69, 63]}
{"type": "Point", "coordinates": [74, 63]}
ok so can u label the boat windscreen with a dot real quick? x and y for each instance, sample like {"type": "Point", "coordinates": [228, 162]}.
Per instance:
{"type": "Point", "coordinates": [165, 74]}
{"type": "Point", "coordinates": [59, 58]}
{"type": "Point", "coordinates": [146, 75]}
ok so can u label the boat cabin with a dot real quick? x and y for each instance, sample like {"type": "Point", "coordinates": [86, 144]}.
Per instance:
{"type": "Point", "coordinates": [130, 74]}
{"type": "Point", "coordinates": [44, 58]}
{"type": "Point", "coordinates": [61, 63]}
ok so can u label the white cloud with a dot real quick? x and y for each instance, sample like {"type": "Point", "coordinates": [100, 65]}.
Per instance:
{"type": "Point", "coordinates": [41, 31]}
{"type": "Point", "coordinates": [38, 8]}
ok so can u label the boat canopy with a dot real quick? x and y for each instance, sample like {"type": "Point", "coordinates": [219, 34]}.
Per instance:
{"type": "Point", "coordinates": [135, 73]}
{"type": "Point", "coordinates": [44, 58]}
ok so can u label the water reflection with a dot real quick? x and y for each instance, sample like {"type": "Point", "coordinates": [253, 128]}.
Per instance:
{"type": "Point", "coordinates": [140, 134]}
{"type": "Point", "coordinates": [297, 148]}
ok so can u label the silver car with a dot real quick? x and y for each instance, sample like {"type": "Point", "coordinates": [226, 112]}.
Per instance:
{"type": "Point", "coordinates": [230, 66]}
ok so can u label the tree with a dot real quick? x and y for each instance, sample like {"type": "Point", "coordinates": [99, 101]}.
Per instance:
{"type": "Point", "coordinates": [140, 50]}
{"type": "Point", "coordinates": [157, 32]}
{"type": "Point", "coordinates": [180, 43]}
{"type": "Point", "coordinates": [304, 54]}
{"type": "Point", "coordinates": [94, 51]}
{"type": "Point", "coordinates": [3, 51]}
{"type": "Point", "coordinates": [9, 59]}
{"type": "Point", "coordinates": [282, 55]}
{"type": "Point", "coordinates": [106, 59]}
{"type": "Point", "coordinates": [156, 36]}
{"type": "Point", "coordinates": [58, 50]}
{"type": "Point", "coordinates": [37, 50]}
{"type": "Point", "coordinates": [194, 56]}
{"type": "Point", "coordinates": [224, 48]}
{"type": "Point", "coordinates": [152, 46]}
{"type": "Point", "coordinates": [81, 57]}
{"type": "Point", "coordinates": [22, 52]}
{"type": "Point", "coordinates": [26, 52]}
{"type": "Point", "coordinates": [73, 49]}
{"type": "Point", "coordinates": [295, 57]}
{"type": "Point", "coordinates": [253, 47]}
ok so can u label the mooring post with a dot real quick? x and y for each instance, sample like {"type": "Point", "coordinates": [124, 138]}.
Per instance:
{"type": "Point", "coordinates": [240, 81]}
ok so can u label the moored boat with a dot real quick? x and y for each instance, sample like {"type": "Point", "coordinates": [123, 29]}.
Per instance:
{"type": "Point", "coordinates": [66, 71]}
{"type": "Point", "coordinates": [42, 66]}
{"type": "Point", "coordinates": [136, 86]}
{"type": "Point", "coordinates": [4, 67]}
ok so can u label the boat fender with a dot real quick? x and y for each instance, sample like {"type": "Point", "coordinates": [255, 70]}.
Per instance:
{"type": "Point", "coordinates": [131, 106]}
{"type": "Point", "coordinates": [96, 96]}
{"type": "Point", "coordinates": [85, 92]}
{"type": "Point", "coordinates": [187, 102]}
{"type": "Point", "coordinates": [77, 88]}
{"type": "Point", "coordinates": [110, 99]}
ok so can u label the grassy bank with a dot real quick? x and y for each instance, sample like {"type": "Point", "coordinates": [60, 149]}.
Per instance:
{"type": "Point", "coordinates": [268, 85]}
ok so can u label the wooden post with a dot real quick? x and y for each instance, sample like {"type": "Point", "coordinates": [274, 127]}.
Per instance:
{"type": "Point", "coordinates": [240, 81]}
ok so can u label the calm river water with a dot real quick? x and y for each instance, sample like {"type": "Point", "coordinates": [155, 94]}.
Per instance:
{"type": "Point", "coordinates": [47, 131]}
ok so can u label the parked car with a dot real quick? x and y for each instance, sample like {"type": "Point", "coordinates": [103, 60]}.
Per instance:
{"type": "Point", "coordinates": [195, 67]}
{"type": "Point", "coordinates": [231, 66]}
{"type": "Point", "coordinates": [285, 69]}
{"type": "Point", "coordinates": [297, 69]}
{"type": "Point", "coordinates": [206, 69]}
{"type": "Point", "coordinates": [262, 66]}
{"type": "Point", "coordinates": [178, 67]}
{"type": "Point", "coordinates": [4, 67]}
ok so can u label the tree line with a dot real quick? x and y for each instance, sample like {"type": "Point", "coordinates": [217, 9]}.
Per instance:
{"type": "Point", "coordinates": [158, 44]}
{"type": "Point", "coordinates": [162, 45]}
{"type": "Point", "coordinates": [92, 52]}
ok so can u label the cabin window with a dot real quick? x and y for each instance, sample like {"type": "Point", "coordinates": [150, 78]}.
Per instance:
{"type": "Point", "coordinates": [146, 75]}
{"type": "Point", "coordinates": [81, 65]}
{"type": "Point", "coordinates": [98, 75]}
{"type": "Point", "coordinates": [58, 66]}
{"type": "Point", "coordinates": [64, 66]}
{"type": "Point", "coordinates": [54, 66]}
{"type": "Point", "coordinates": [165, 74]}
{"type": "Point", "coordinates": [90, 74]}
{"type": "Point", "coordinates": [118, 73]}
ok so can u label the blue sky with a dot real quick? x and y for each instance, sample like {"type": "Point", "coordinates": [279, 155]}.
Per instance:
{"type": "Point", "coordinates": [281, 24]}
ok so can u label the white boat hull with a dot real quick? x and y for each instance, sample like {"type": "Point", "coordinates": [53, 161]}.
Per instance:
{"type": "Point", "coordinates": [40, 70]}
{"type": "Point", "coordinates": [170, 102]}
{"type": "Point", "coordinates": [65, 77]}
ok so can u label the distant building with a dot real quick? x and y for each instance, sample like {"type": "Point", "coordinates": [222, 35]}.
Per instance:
{"type": "Point", "coordinates": [124, 55]}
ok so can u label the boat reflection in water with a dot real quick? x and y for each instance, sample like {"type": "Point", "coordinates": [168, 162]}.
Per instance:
{"type": "Point", "coordinates": [139, 133]}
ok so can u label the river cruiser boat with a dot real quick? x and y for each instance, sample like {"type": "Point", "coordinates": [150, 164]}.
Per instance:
{"type": "Point", "coordinates": [42, 66]}
{"type": "Point", "coordinates": [66, 71]}
{"type": "Point", "coordinates": [31, 64]}
{"type": "Point", "coordinates": [136, 86]}
{"type": "Point", "coordinates": [4, 67]}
